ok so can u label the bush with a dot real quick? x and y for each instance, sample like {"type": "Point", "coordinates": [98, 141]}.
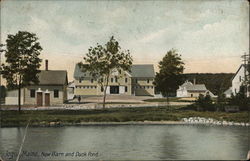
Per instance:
{"type": "Point", "coordinates": [205, 103]}
{"type": "Point", "coordinates": [240, 100]}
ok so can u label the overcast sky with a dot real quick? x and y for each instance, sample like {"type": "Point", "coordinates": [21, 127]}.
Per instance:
{"type": "Point", "coordinates": [211, 35]}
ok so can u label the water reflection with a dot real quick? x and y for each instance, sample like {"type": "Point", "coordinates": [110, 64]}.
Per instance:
{"type": "Point", "coordinates": [141, 142]}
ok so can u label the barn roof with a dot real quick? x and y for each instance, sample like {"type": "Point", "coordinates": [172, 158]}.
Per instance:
{"type": "Point", "coordinates": [53, 77]}
{"type": "Point", "coordinates": [137, 71]}
{"type": "Point", "coordinates": [194, 87]}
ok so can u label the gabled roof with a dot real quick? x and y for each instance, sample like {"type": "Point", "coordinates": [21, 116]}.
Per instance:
{"type": "Point", "coordinates": [138, 71]}
{"type": "Point", "coordinates": [242, 65]}
{"type": "Point", "coordinates": [197, 87]}
{"type": "Point", "coordinates": [78, 73]}
{"type": "Point", "coordinates": [142, 70]}
{"type": "Point", "coordinates": [194, 87]}
{"type": "Point", "coordinates": [53, 77]}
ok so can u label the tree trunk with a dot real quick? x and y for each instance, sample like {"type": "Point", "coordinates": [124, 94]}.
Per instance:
{"type": "Point", "coordinates": [19, 98]}
{"type": "Point", "coordinates": [104, 98]}
{"type": "Point", "coordinates": [104, 94]}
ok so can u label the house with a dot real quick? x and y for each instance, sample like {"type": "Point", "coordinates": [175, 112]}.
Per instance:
{"type": "Point", "coordinates": [238, 79]}
{"type": "Point", "coordinates": [138, 82]}
{"type": "Point", "coordinates": [189, 89]}
{"type": "Point", "coordinates": [70, 90]}
{"type": "Point", "coordinates": [228, 92]}
{"type": "Point", "coordinates": [51, 90]}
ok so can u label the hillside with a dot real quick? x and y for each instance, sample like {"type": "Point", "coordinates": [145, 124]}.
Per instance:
{"type": "Point", "coordinates": [215, 82]}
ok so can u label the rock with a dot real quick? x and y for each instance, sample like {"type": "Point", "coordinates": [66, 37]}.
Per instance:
{"type": "Point", "coordinates": [52, 123]}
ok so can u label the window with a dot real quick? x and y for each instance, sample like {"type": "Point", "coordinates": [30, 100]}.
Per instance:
{"type": "Point", "coordinates": [112, 80]}
{"type": "Point", "coordinates": [126, 80]}
{"type": "Point", "coordinates": [148, 81]}
{"type": "Point", "coordinates": [56, 93]}
{"type": "Point", "coordinates": [80, 80]}
{"type": "Point", "coordinates": [116, 79]}
{"type": "Point", "coordinates": [126, 89]}
{"type": "Point", "coordinates": [101, 89]}
{"type": "Point", "coordinates": [32, 93]}
{"type": "Point", "coordinates": [152, 87]}
{"type": "Point", "coordinates": [92, 80]}
{"type": "Point", "coordinates": [136, 80]}
{"type": "Point", "coordinates": [240, 78]}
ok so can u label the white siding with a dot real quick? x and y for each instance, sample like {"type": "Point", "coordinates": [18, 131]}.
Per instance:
{"type": "Point", "coordinates": [238, 80]}
{"type": "Point", "coordinates": [121, 89]}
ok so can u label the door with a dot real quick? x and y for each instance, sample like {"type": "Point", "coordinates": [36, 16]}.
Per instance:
{"type": "Point", "coordinates": [47, 99]}
{"type": "Point", "coordinates": [39, 99]}
{"type": "Point", "coordinates": [114, 89]}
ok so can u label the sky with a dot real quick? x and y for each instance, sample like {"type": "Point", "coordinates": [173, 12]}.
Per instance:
{"type": "Point", "coordinates": [210, 35]}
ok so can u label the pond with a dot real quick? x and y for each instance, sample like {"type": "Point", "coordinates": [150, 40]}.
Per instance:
{"type": "Point", "coordinates": [133, 142]}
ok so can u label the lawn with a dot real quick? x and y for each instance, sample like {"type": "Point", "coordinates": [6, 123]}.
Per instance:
{"type": "Point", "coordinates": [171, 99]}
{"type": "Point", "coordinates": [13, 118]}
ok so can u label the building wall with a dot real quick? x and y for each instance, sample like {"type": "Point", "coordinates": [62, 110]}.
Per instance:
{"type": "Point", "coordinates": [181, 93]}
{"type": "Point", "coordinates": [62, 97]}
{"type": "Point", "coordinates": [196, 94]}
{"type": "Point", "coordinates": [143, 86]}
{"type": "Point", "coordinates": [12, 97]}
{"type": "Point", "coordinates": [238, 80]}
{"type": "Point", "coordinates": [185, 93]}
{"type": "Point", "coordinates": [90, 86]}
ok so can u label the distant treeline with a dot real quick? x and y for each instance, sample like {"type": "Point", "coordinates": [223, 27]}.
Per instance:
{"type": "Point", "coordinates": [215, 82]}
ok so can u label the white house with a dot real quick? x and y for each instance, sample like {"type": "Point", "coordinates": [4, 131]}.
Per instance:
{"type": "Point", "coordinates": [239, 79]}
{"type": "Point", "coordinates": [228, 92]}
{"type": "Point", "coordinates": [189, 89]}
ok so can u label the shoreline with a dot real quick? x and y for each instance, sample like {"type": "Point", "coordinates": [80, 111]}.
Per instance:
{"type": "Point", "coordinates": [60, 124]}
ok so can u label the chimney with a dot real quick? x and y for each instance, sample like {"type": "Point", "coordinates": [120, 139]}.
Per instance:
{"type": "Point", "coordinates": [46, 65]}
{"type": "Point", "coordinates": [194, 81]}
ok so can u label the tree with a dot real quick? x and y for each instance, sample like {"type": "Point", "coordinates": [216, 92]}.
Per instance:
{"type": "Point", "coordinates": [101, 61]}
{"type": "Point", "coordinates": [170, 73]}
{"type": "Point", "coordinates": [240, 99]}
{"type": "Point", "coordinates": [205, 103]}
{"type": "Point", "coordinates": [22, 62]}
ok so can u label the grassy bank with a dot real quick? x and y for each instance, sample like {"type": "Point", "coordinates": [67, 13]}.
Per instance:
{"type": "Point", "coordinates": [13, 118]}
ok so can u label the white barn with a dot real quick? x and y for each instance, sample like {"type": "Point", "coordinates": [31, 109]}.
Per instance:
{"type": "Point", "coordinates": [189, 89]}
{"type": "Point", "coordinates": [239, 79]}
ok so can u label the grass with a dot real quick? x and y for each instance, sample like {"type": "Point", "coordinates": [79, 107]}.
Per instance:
{"type": "Point", "coordinates": [13, 118]}
{"type": "Point", "coordinates": [121, 103]}
{"type": "Point", "coordinates": [171, 99]}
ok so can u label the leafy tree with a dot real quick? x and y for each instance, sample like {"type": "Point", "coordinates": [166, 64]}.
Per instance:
{"type": "Point", "coordinates": [170, 73]}
{"type": "Point", "coordinates": [22, 61]}
{"type": "Point", "coordinates": [240, 99]}
{"type": "Point", "coordinates": [205, 103]}
{"type": "Point", "coordinates": [221, 101]}
{"type": "Point", "coordinates": [102, 61]}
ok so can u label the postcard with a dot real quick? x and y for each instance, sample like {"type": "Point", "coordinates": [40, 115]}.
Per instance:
{"type": "Point", "coordinates": [124, 80]}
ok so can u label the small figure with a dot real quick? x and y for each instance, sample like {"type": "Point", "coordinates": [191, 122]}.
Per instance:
{"type": "Point", "coordinates": [79, 99]}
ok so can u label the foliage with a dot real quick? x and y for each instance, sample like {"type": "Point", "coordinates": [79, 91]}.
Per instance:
{"type": "Point", "coordinates": [22, 61]}
{"type": "Point", "coordinates": [215, 82]}
{"type": "Point", "coordinates": [43, 117]}
{"type": "Point", "coordinates": [240, 100]}
{"type": "Point", "coordinates": [102, 61]}
{"type": "Point", "coordinates": [221, 101]}
{"type": "Point", "coordinates": [205, 103]}
{"type": "Point", "coordinates": [170, 73]}
{"type": "Point", "coordinates": [2, 91]}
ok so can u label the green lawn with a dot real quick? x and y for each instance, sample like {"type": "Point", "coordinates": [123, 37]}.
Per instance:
{"type": "Point", "coordinates": [13, 118]}
{"type": "Point", "coordinates": [171, 99]}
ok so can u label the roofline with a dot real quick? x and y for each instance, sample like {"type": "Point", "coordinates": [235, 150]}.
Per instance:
{"type": "Point", "coordinates": [237, 72]}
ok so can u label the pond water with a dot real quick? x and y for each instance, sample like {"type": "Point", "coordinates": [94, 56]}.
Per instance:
{"type": "Point", "coordinates": [133, 142]}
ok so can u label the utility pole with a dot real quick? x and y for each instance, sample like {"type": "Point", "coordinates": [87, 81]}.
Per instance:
{"type": "Point", "coordinates": [245, 66]}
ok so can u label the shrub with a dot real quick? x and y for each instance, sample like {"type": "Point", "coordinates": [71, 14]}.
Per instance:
{"type": "Point", "coordinates": [205, 103]}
